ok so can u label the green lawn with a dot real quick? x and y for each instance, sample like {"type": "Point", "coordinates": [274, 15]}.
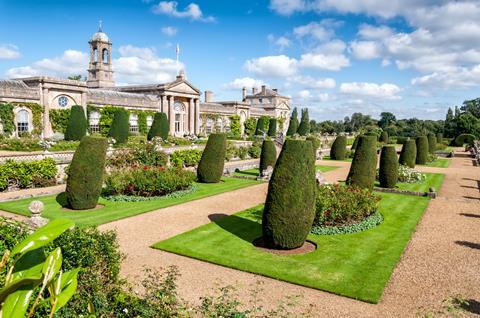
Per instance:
{"type": "Point", "coordinates": [354, 265]}
{"type": "Point", "coordinates": [433, 180]}
{"type": "Point", "coordinates": [328, 158]}
{"type": "Point", "coordinates": [439, 163]}
{"type": "Point", "coordinates": [119, 210]}
{"type": "Point", "coordinates": [255, 171]}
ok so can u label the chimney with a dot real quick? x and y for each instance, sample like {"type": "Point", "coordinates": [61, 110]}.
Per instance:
{"type": "Point", "coordinates": [244, 94]}
{"type": "Point", "coordinates": [264, 90]}
{"type": "Point", "coordinates": [275, 90]}
{"type": "Point", "coordinates": [208, 96]}
{"type": "Point", "coordinates": [254, 90]}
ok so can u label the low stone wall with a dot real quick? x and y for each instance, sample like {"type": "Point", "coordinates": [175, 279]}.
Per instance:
{"type": "Point", "coordinates": [432, 195]}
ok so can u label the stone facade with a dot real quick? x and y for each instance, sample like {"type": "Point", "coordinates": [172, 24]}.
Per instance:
{"type": "Point", "coordinates": [179, 99]}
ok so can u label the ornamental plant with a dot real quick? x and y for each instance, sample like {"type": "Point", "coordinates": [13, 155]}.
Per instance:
{"type": "Point", "coordinates": [85, 175]}
{"type": "Point", "coordinates": [28, 174]}
{"type": "Point", "coordinates": [315, 145]}
{"type": "Point", "coordinates": [384, 137]}
{"type": "Point", "coordinates": [260, 129]}
{"type": "Point", "coordinates": [268, 156]}
{"type": "Point", "coordinates": [272, 127]}
{"type": "Point", "coordinates": [409, 175]}
{"type": "Point", "coordinates": [186, 157]}
{"type": "Point", "coordinates": [293, 125]}
{"type": "Point", "coordinates": [388, 172]}
{"type": "Point", "coordinates": [364, 163]}
{"type": "Point", "coordinates": [432, 143]}
{"type": "Point", "coordinates": [210, 167]}
{"type": "Point", "coordinates": [465, 139]}
{"type": "Point", "coordinates": [77, 124]}
{"type": "Point", "coordinates": [304, 127]}
{"type": "Point", "coordinates": [339, 148]}
{"type": "Point", "coordinates": [289, 206]}
{"type": "Point", "coordinates": [355, 143]}
{"type": "Point", "coordinates": [160, 127]}
{"type": "Point", "coordinates": [439, 138]}
{"type": "Point", "coordinates": [119, 130]}
{"type": "Point", "coordinates": [422, 150]}
{"type": "Point", "coordinates": [409, 154]}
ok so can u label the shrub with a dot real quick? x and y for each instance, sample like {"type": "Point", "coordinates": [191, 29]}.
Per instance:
{"type": "Point", "coordinates": [268, 155]}
{"type": "Point", "coordinates": [409, 154]}
{"type": "Point", "coordinates": [384, 137]}
{"type": "Point", "coordinates": [388, 173]}
{"type": "Point", "coordinates": [28, 174]}
{"type": "Point", "coordinates": [85, 175]}
{"type": "Point", "coordinates": [401, 140]}
{"type": "Point", "coordinates": [304, 127]}
{"type": "Point", "coordinates": [409, 175]}
{"type": "Point", "coordinates": [160, 127]}
{"type": "Point", "coordinates": [355, 143]}
{"type": "Point", "coordinates": [432, 143]}
{"type": "Point", "coordinates": [77, 124]}
{"type": "Point", "coordinates": [255, 150]}
{"type": "Point", "coordinates": [422, 150]}
{"type": "Point", "coordinates": [272, 127]}
{"type": "Point", "coordinates": [289, 206]}
{"type": "Point", "coordinates": [143, 153]}
{"type": "Point", "coordinates": [186, 157]}
{"type": "Point", "coordinates": [119, 129]}
{"type": "Point", "coordinates": [439, 138]}
{"type": "Point", "coordinates": [241, 152]}
{"type": "Point", "coordinates": [464, 139]}
{"type": "Point", "coordinates": [341, 205]}
{"type": "Point", "coordinates": [260, 129]}
{"type": "Point", "coordinates": [339, 148]}
{"type": "Point", "coordinates": [293, 124]}
{"type": "Point", "coordinates": [315, 145]}
{"type": "Point", "coordinates": [364, 163]}
{"type": "Point", "coordinates": [210, 167]}
{"type": "Point", "coordinates": [147, 181]}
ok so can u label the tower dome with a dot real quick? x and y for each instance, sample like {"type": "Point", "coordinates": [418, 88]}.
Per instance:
{"type": "Point", "coordinates": [100, 35]}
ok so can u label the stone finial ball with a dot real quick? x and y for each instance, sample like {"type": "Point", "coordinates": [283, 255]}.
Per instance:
{"type": "Point", "coordinates": [36, 207]}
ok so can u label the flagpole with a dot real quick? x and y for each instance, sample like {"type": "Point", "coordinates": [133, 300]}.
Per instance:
{"type": "Point", "coordinates": [177, 51]}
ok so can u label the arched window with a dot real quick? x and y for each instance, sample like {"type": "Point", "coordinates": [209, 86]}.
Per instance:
{"type": "Point", "coordinates": [22, 121]}
{"type": "Point", "coordinates": [179, 110]}
{"type": "Point", "coordinates": [105, 56]}
{"type": "Point", "coordinates": [94, 121]}
{"type": "Point", "coordinates": [133, 123]}
{"type": "Point", "coordinates": [95, 55]}
{"type": "Point", "coordinates": [149, 121]}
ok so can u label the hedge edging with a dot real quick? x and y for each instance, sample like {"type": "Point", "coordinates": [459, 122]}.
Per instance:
{"type": "Point", "coordinates": [369, 222]}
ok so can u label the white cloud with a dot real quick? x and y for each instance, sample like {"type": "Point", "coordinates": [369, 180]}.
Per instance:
{"type": "Point", "coordinates": [9, 52]}
{"type": "Point", "coordinates": [316, 30]}
{"type": "Point", "coordinates": [272, 66]}
{"type": "Point", "coordinates": [365, 50]}
{"type": "Point", "coordinates": [461, 78]}
{"type": "Point", "coordinates": [246, 82]}
{"type": "Point", "coordinates": [312, 83]}
{"type": "Point", "coordinates": [371, 32]}
{"type": "Point", "coordinates": [169, 31]}
{"type": "Point", "coordinates": [320, 61]}
{"type": "Point", "coordinates": [287, 7]}
{"type": "Point", "coordinates": [191, 11]}
{"type": "Point", "coordinates": [281, 42]}
{"type": "Point", "coordinates": [384, 91]}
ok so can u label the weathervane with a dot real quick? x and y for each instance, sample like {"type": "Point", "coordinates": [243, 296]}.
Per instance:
{"type": "Point", "coordinates": [100, 29]}
{"type": "Point", "coordinates": [177, 51]}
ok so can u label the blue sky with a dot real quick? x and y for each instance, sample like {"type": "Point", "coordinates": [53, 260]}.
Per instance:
{"type": "Point", "coordinates": [414, 58]}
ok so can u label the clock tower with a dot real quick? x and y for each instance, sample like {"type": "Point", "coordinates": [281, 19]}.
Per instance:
{"type": "Point", "coordinates": [100, 73]}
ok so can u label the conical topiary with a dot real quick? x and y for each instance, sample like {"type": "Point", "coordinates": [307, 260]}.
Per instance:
{"type": "Point", "coordinates": [77, 124]}
{"type": "Point", "coordinates": [290, 204]}
{"type": "Point", "coordinates": [408, 155]}
{"type": "Point", "coordinates": [384, 137]}
{"type": "Point", "coordinates": [439, 138]}
{"type": "Point", "coordinates": [293, 124]}
{"type": "Point", "coordinates": [388, 172]}
{"type": "Point", "coordinates": [160, 127]}
{"type": "Point", "coordinates": [315, 144]}
{"type": "Point", "coordinates": [85, 175]}
{"type": "Point", "coordinates": [432, 143]}
{"type": "Point", "coordinates": [268, 155]}
{"type": "Point", "coordinates": [272, 127]}
{"type": "Point", "coordinates": [304, 127]}
{"type": "Point", "coordinates": [260, 129]}
{"type": "Point", "coordinates": [355, 143]}
{"type": "Point", "coordinates": [119, 130]}
{"type": "Point", "coordinates": [210, 167]}
{"type": "Point", "coordinates": [364, 164]}
{"type": "Point", "coordinates": [422, 150]}
{"type": "Point", "coordinates": [339, 148]}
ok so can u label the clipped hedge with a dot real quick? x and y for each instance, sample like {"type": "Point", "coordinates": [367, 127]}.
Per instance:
{"type": "Point", "coordinates": [210, 167]}
{"type": "Point", "coordinates": [315, 145]}
{"type": "Point", "coordinates": [364, 163]}
{"type": "Point", "coordinates": [272, 127]}
{"type": "Point", "coordinates": [464, 139]}
{"type": "Point", "coordinates": [290, 203]}
{"type": "Point", "coordinates": [388, 172]}
{"type": "Point", "coordinates": [339, 148]}
{"type": "Point", "coordinates": [432, 143]}
{"type": "Point", "coordinates": [77, 124]}
{"type": "Point", "coordinates": [260, 129]}
{"type": "Point", "coordinates": [355, 143]}
{"type": "Point", "coordinates": [422, 150]}
{"type": "Point", "coordinates": [119, 130]}
{"type": "Point", "coordinates": [160, 127]}
{"type": "Point", "coordinates": [384, 137]}
{"type": "Point", "coordinates": [85, 176]}
{"type": "Point", "coordinates": [268, 157]}
{"type": "Point", "coordinates": [408, 155]}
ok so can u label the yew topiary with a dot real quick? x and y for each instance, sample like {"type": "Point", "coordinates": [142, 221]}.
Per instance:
{"type": "Point", "coordinates": [210, 167]}
{"type": "Point", "coordinates": [388, 172]}
{"type": "Point", "coordinates": [85, 175]}
{"type": "Point", "coordinates": [364, 164]}
{"type": "Point", "coordinates": [293, 123]}
{"type": "Point", "coordinates": [464, 139]}
{"type": "Point", "coordinates": [160, 127]}
{"type": "Point", "coordinates": [355, 143]}
{"type": "Point", "coordinates": [432, 143]}
{"type": "Point", "coordinates": [339, 148]}
{"type": "Point", "coordinates": [408, 155]}
{"type": "Point", "coordinates": [272, 127]}
{"type": "Point", "coordinates": [290, 204]}
{"type": "Point", "coordinates": [315, 145]}
{"type": "Point", "coordinates": [119, 130]}
{"type": "Point", "coordinates": [77, 124]}
{"type": "Point", "coordinates": [268, 155]}
{"type": "Point", "coordinates": [260, 129]}
{"type": "Point", "coordinates": [439, 138]}
{"type": "Point", "coordinates": [384, 137]}
{"type": "Point", "coordinates": [422, 150]}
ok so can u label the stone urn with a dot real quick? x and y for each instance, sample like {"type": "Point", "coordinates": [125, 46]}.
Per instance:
{"type": "Point", "coordinates": [36, 220]}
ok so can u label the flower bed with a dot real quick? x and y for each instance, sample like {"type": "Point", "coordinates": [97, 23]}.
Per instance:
{"type": "Point", "coordinates": [28, 174]}
{"type": "Point", "coordinates": [409, 175]}
{"type": "Point", "coordinates": [368, 223]}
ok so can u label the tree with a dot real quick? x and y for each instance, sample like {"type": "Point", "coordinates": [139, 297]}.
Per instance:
{"type": "Point", "coordinates": [260, 129]}
{"type": "Point", "coordinates": [160, 127]}
{"type": "Point", "coordinates": [75, 77]}
{"type": "Point", "coordinates": [388, 171]}
{"type": "Point", "coordinates": [386, 119]}
{"type": "Point", "coordinates": [119, 129]}
{"type": "Point", "coordinates": [77, 124]}
{"type": "Point", "coordinates": [450, 126]}
{"type": "Point", "coordinates": [408, 155]}
{"type": "Point", "coordinates": [364, 164]}
{"type": "Point", "coordinates": [432, 143]}
{"type": "Point", "coordinates": [422, 150]}
{"type": "Point", "coordinates": [268, 156]}
{"type": "Point", "coordinates": [290, 204]}
{"type": "Point", "coordinates": [85, 175]}
{"type": "Point", "coordinates": [384, 137]}
{"type": "Point", "coordinates": [339, 148]}
{"type": "Point", "coordinates": [272, 127]}
{"type": "Point", "coordinates": [235, 128]}
{"type": "Point", "coordinates": [293, 125]}
{"type": "Point", "coordinates": [250, 124]}
{"type": "Point", "coordinates": [472, 107]}
{"type": "Point", "coordinates": [304, 128]}
{"type": "Point", "coordinates": [210, 167]}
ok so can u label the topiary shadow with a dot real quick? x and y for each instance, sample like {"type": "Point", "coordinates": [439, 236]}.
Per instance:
{"type": "Point", "coordinates": [243, 228]}
{"type": "Point", "coordinates": [61, 199]}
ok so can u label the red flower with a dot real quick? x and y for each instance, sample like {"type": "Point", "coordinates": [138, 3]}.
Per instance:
{"type": "Point", "coordinates": [162, 168]}
{"type": "Point", "coordinates": [145, 168]}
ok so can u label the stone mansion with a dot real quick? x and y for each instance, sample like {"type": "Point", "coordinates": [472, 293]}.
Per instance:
{"type": "Point", "coordinates": [180, 99]}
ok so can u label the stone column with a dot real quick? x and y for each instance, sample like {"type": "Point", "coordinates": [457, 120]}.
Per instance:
{"type": "Point", "coordinates": [163, 104]}
{"type": "Point", "coordinates": [197, 116]}
{"type": "Point", "coordinates": [191, 116]}
{"type": "Point", "coordinates": [47, 127]}
{"type": "Point", "coordinates": [171, 116]}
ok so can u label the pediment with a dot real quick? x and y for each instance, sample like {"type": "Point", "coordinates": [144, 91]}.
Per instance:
{"type": "Point", "coordinates": [183, 87]}
{"type": "Point", "coordinates": [283, 106]}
